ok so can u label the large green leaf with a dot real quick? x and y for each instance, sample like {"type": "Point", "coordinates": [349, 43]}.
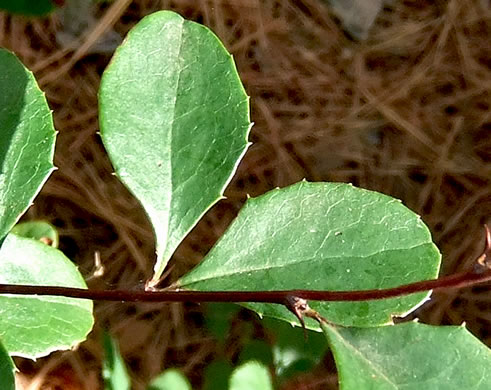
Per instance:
{"type": "Point", "coordinates": [409, 356]}
{"type": "Point", "coordinates": [27, 140]}
{"type": "Point", "coordinates": [27, 7]}
{"type": "Point", "coordinates": [114, 370]}
{"type": "Point", "coordinates": [170, 380]}
{"type": "Point", "coordinates": [34, 326]}
{"type": "Point", "coordinates": [7, 368]}
{"type": "Point", "coordinates": [174, 120]}
{"type": "Point", "coordinates": [251, 376]}
{"type": "Point", "coordinates": [322, 236]}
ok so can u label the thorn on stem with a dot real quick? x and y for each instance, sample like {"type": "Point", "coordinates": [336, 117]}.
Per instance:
{"type": "Point", "coordinates": [297, 306]}
{"type": "Point", "coordinates": [483, 262]}
{"type": "Point", "coordinates": [300, 308]}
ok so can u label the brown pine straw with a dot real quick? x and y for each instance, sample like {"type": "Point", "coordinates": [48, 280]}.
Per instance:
{"type": "Point", "coordinates": [406, 113]}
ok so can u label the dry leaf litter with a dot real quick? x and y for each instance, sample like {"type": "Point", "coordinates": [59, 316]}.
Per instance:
{"type": "Point", "coordinates": [405, 112]}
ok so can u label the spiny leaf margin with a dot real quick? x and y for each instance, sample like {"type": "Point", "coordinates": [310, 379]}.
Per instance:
{"type": "Point", "coordinates": [175, 121]}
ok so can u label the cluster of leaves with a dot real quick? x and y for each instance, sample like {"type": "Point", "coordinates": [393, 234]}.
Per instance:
{"type": "Point", "coordinates": [175, 120]}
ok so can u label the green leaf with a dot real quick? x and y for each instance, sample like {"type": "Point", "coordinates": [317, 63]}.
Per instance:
{"type": "Point", "coordinates": [114, 370]}
{"type": "Point", "coordinates": [322, 236]}
{"type": "Point", "coordinates": [170, 380]}
{"type": "Point", "coordinates": [34, 326]}
{"type": "Point", "coordinates": [251, 376]}
{"type": "Point", "coordinates": [257, 350]}
{"type": "Point", "coordinates": [218, 318]}
{"type": "Point", "coordinates": [7, 369]}
{"type": "Point", "coordinates": [27, 7]}
{"type": "Point", "coordinates": [174, 120]}
{"type": "Point", "coordinates": [217, 375]}
{"type": "Point", "coordinates": [292, 352]}
{"type": "Point", "coordinates": [27, 140]}
{"type": "Point", "coordinates": [38, 230]}
{"type": "Point", "coordinates": [409, 356]}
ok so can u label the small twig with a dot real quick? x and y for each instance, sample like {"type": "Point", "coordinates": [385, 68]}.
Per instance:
{"type": "Point", "coordinates": [479, 274]}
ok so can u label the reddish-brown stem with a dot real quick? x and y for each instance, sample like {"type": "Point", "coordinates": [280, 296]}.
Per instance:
{"type": "Point", "coordinates": [481, 273]}
{"type": "Point", "coordinates": [448, 282]}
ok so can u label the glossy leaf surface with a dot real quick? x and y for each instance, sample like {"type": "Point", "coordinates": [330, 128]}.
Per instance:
{"type": "Point", "coordinates": [322, 236]}
{"type": "Point", "coordinates": [34, 326]}
{"type": "Point", "coordinates": [409, 356]}
{"type": "Point", "coordinates": [174, 120]}
{"type": "Point", "coordinates": [27, 140]}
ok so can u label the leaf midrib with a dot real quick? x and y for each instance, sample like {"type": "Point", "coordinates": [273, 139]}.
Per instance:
{"type": "Point", "coordinates": [164, 256]}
